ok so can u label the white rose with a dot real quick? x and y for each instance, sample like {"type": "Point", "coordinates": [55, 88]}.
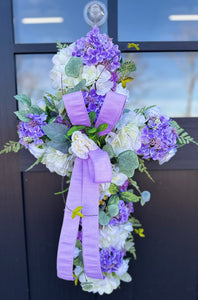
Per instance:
{"type": "Point", "coordinates": [114, 236]}
{"type": "Point", "coordinates": [90, 74]}
{"type": "Point", "coordinates": [81, 145]}
{"type": "Point", "coordinates": [168, 156]}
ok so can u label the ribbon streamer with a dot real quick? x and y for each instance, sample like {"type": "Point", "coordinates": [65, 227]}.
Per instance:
{"type": "Point", "coordinates": [84, 188]}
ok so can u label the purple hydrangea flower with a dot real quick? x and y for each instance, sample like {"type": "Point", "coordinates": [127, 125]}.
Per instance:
{"type": "Point", "coordinates": [32, 130]}
{"type": "Point", "coordinates": [110, 259]}
{"type": "Point", "coordinates": [158, 138]}
{"type": "Point", "coordinates": [97, 48]}
{"type": "Point", "coordinates": [93, 101]}
{"type": "Point", "coordinates": [123, 215]}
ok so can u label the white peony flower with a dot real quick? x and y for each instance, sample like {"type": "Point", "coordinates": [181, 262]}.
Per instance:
{"type": "Point", "coordinates": [57, 161]}
{"type": "Point", "coordinates": [103, 84]}
{"type": "Point", "coordinates": [123, 268]}
{"type": "Point", "coordinates": [81, 145]}
{"type": "Point", "coordinates": [57, 74]}
{"type": "Point", "coordinates": [114, 236]}
{"type": "Point", "coordinates": [168, 156]}
{"type": "Point", "coordinates": [103, 88]}
{"type": "Point", "coordinates": [123, 91]}
{"type": "Point", "coordinates": [130, 117]}
{"type": "Point", "coordinates": [36, 151]}
{"type": "Point", "coordinates": [101, 286]}
{"type": "Point", "coordinates": [90, 74]}
{"type": "Point", "coordinates": [128, 138]}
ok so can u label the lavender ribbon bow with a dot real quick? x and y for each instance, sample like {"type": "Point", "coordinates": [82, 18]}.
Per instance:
{"type": "Point", "coordinates": [84, 188]}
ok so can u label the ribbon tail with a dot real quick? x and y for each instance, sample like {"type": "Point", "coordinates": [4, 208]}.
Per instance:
{"type": "Point", "coordinates": [90, 226]}
{"type": "Point", "coordinates": [70, 226]}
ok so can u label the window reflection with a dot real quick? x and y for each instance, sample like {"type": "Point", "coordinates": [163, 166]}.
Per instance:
{"type": "Point", "coordinates": [155, 20]}
{"type": "Point", "coordinates": [169, 80]}
{"type": "Point", "coordinates": [33, 75]}
{"type": "Point", "coordinates": [41, 21]}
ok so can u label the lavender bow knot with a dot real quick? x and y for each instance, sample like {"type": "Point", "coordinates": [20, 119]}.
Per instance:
{"type": "Point", "coordinates": [84, 188]}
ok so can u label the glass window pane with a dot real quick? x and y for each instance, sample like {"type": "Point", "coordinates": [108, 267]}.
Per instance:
{"type": "Point", "coordinates": [168, 80]}
{"type": "Point", "coordinates": [65, 21]}
{"type": "Point", "coordinates": [33, 75]}
{"type": "Point", "coordinates": [154, 20]}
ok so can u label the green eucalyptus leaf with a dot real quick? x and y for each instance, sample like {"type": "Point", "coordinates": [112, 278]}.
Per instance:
{"type": "Point", "coordinates": [114, 189]}
{"type": "Point", "coordinates": [108, 148]}
{"type": "Point", "coordinates": [75, 128]}
{"type": "Point", "coordinates": [86, 287]}
{"type": "Point", "coordinates": [56, 132]}
{"type": "Point", "coordinates": [72, 68]}
{"type": "Point", "coordinates": [113, 200]}
{"type": "Point", "coordinates": [21, 114]}
{"type": "Point", "coordinates": [92, 117]}
{"type": "Point", "coordinates": [23, 99]}
{"type": "Point", "coordinates": [126, 277]}
{"type": "Point", "coordinates": [62, 147]}
{"type": "Point", "coordinates": [102, 127]}
{"type": "Point", "coordinates": [129, 197]}
{"type": "Point", "coordinates": [35, 109]}
{"type": "Point", "coordinates": [128, 162]}
{"type": "Point", "coordinates": [103, 218]}
{"type": "Point", "coordinates": [77, 87]}
{"type": "Point", "coordinates": [113, 210]}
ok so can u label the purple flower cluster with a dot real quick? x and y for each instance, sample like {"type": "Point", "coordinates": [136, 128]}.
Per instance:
{"type": "Point", "coordinates": [123, 215]}
{"type": "Point", "coordinates": [158, 138]}
{"type": "Point", "coordinates": [32, 130]}
{"type": "Point", "coordinates": [110, 259]}
{"type": "Point", "coordinates": [97, 48]}
{"type": "Point", "coordinates": [93, 101]}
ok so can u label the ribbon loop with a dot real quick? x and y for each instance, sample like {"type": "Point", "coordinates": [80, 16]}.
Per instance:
{"type": "Point", "coordinates": [84, 189]}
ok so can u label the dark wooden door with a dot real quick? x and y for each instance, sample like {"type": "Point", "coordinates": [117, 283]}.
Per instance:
{"type": "Point", "coordinates": [31, 216]}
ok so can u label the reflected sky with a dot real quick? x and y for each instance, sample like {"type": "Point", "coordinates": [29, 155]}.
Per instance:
{"type": "Point", "coordinates": [168, 80]}
{"type": "Point", "coordinates": [71, 29]}
{"type": "Point", "coordinates": [145, 20]}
